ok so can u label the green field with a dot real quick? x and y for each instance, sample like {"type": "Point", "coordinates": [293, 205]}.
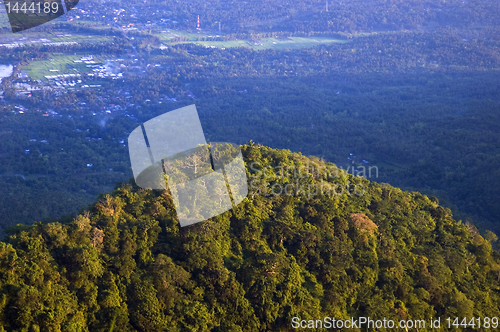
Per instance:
{"type": "Point", "coordinates": [80, 38]}
{"type": "Point", "coordinates": [60, 62]}
{"type": "Point", "coordinates": [262, 44]}
{"type": "Point", "coordinates": [167, 35]}
{"type": "Point", "coordinates": [273, 43]}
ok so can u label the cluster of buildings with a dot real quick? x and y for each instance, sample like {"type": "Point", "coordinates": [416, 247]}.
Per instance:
{"type": "Point", "coordinates": [86, 59]}
{"type": "Point", "coordinates": [79, 78]}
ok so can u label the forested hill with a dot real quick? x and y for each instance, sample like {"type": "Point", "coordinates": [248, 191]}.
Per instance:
{"type": "Point", "coordinates": [125, 265]}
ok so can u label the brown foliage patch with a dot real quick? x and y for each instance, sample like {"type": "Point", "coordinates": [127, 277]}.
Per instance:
{"type": "Point", "coordinates": [363, 223]}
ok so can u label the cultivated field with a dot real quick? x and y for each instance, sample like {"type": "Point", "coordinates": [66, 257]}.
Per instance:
{"type": "Point", "coordinates": [170, 37]}
{"type": "Point", "coordinates": [64, 64]}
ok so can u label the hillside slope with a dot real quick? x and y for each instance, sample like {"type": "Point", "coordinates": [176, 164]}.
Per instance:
{"type": "Point", "coordinates": [373, 251]}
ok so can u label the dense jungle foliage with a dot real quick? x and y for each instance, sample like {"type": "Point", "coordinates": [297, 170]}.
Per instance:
{"type": "Point", "coordinates": [125, 265]}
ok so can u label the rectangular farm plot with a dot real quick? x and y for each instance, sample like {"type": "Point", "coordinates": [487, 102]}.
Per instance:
{"type": "Point", "coordinates": [61, 65]}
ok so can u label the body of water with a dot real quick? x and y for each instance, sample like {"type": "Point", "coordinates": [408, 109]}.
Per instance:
{"type": "Point", "coordinates": [5, 71]}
